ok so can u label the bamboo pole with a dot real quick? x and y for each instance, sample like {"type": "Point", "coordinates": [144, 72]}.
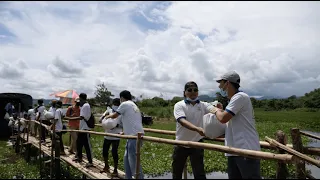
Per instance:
{"type": "Point", "coordinates": [138, 145]}
{"type": "Point", "coordinates": [225, 149]}
{"type": "Point", "coordinates": [263, 144]}
{"type": "Point", "coordinates": [220, 148]}
{"type": "Point", "coordinates": [310, 135]}
{"type": "Point", "coordinates": [40, 135]}
{"type": "Point", "coordinates": [57, 159]}
{"type": "Point", "coordinates": [282, 170]}
{"type": "Point", "coordinates": [53, 144]}
{"type": "Point", "coordinates": [298, 146]}
{"type": "Point", "coordinates": [102, 134]}
{"type": "Point", "coordinates": [294, 152]}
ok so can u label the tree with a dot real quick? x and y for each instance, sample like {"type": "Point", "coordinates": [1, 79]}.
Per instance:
{"type": "Point", "coordinates": [103, 95]}
{"type": "Point", "coordinates": [223, 100]}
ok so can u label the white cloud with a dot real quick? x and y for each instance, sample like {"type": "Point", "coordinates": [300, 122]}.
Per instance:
{"type": "Point", "coordinates": [76, 45]}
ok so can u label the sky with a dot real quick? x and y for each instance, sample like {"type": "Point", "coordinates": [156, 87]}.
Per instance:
{"type": "Point", "coordinates": [154, 48]}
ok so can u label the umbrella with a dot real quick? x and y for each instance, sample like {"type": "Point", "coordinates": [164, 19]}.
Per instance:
{"type": "Point", "coordinates": [67, 97]}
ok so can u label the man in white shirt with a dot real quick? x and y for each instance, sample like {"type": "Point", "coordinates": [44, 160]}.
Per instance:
{"type": "Point", "coordinates": [40, 116]}
{"type": "Point", "coordinates": [59, 125]}
{"type": "Point", "coordinates": [240, 131]}
{"type": "Point", "coordinates": [32, 116]}
{"type": "Point", "coordinates": [83, 138]}
{"type": "Point", "coordinates": [132, 125]}
{"type": "Point", "coordinates": [114, 141]}
{"type": "Point", "coordinates": [189, 114]}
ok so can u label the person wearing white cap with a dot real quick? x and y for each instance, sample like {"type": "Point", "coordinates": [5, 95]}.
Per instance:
{"type": "Point", "coordinates": [240, 130]}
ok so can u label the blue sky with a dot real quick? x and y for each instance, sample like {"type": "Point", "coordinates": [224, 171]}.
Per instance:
{"type": "Point", "coordinates": [156, 47]}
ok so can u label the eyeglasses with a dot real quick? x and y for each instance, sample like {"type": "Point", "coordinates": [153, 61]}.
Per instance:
{"type": "Point", "coordinates": [192, 89]}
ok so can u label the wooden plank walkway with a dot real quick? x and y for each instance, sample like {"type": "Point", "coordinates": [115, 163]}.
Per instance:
{"type": "Point", "coordinates": [93, 172]}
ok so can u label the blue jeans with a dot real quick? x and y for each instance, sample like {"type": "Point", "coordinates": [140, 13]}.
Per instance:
{"type": "Point", "coordinates": [130, 159]}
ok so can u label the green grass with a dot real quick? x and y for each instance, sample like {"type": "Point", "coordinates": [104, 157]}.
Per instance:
{"type": "Point", "coordinates": [12, 164]}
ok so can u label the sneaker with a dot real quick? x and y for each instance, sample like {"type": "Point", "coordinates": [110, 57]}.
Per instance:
{"type": "Point", "coordinates": [105, 169]}
{"type": "Point", "coordinates": [89, 165]}
{"type": "Point", "coordinates": [77, 160]}
{"type": "Point", "coordinates": [115, 173]}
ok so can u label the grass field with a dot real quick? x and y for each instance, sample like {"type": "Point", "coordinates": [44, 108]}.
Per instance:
{"type": "Point", "coordinates": [156, 158]}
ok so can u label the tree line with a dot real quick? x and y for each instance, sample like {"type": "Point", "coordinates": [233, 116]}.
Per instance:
{"type": "Point", "coordinates": [310, 101]}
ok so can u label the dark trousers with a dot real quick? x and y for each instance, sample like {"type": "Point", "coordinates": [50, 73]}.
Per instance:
{"type": "Point", "coordinates": [44, 131]}
{"type": "Point", "coordinates": [243, 168]}
{"type": "Point", "coordinates": [84, 140]}
{"type": "Point", "coordinates": [180, 155]}
{"type": "Point", "coordinates": [106, 147]}
{"type": "Point", "coordinates": [59, 134]}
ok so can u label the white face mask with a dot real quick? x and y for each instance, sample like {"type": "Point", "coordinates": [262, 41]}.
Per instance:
{"type": "Point", "coordinates": [224, 93]}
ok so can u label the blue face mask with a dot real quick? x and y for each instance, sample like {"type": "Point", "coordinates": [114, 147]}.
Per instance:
{"type": "Point", "coordinates": [190, 100]}
{"type": "Point", "coordinates": [114, 108]}
{"type": "Point", "coordinates": [224, 93]}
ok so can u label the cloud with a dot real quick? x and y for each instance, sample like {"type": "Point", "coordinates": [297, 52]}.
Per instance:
{"type": "Point", "coordinates": [156, 47]}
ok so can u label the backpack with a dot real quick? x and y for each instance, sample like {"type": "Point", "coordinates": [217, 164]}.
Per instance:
{"type": "Point", "coordinates": [91, 121]}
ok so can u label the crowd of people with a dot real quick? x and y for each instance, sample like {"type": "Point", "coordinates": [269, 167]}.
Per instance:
{"type": "Point", "coordinates": [238, 116]}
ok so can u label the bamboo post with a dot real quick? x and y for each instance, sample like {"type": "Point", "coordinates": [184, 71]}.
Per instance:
{"type": "Point", "coordinates": [297, 145]}
{"type": "Point", "coordinates": [185, 170]}
{"type": "Point", "coordinates": [40, 136]}
{"type": "Point", "coordinates": [282, 170]}
{"type": "Point", "coordinates": [18, 137]}
{"type": "Point", "coordinates": [138, 145]}
{"type": "Point", "coordinates": [28, 130]}
{"type": "Point", "coordinates": [57, 159]}
{"type": "Point", "coordinates": [53, 144]}
{"type": "Point", "coordinates": [28, 149]}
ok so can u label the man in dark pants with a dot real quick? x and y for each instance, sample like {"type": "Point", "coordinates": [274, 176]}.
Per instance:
{"type": "Point", "coordinates": [189, 114]}
{"type": "Point", "coordinates": [83, 138]}
{"type": "Point", "coordinates": [114, 141]}
{"type": "Point", "coordinates": [240, 131]}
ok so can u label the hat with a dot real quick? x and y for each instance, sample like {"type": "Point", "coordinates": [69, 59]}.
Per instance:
{"type": "Point", "coordinates": [231, 76]}
{"type": "Point", "coordinates": [77, 99]}
{"type": "Point", "coordinates": [190, 84]}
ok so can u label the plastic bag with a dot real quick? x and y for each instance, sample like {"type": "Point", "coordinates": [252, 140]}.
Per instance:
{"type": "Point", "coordinates": [7, 116]}
{"type": "Point", "coordinates": [48, 115]}
{"type": "Point", "coordinates": [212, 127]}
{"type": "Point", "coordinates": [108, 124]}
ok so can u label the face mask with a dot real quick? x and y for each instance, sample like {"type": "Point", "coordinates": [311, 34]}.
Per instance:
{"type": "Point", "coordinates": [224, 93]}
{"type": "Point", "coordinates": [188, 99]}
{"type": "Point", "coordinates": [114, 107]}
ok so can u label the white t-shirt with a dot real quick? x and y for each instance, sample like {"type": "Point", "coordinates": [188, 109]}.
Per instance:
{"type": "Point", "coordinates": [41, 111]}
{"type": "Point", "coordinates": [241, 131]}
{"type": "Point", "coordinates": [131, 118]}
{"type": "Point", "coordinates": [58, 119]}
{"type": "Point", "coordinates": [193, 114]}
{"type": "Point", "coordinates": [85, 112]}
{"type": "Point", "coordinates": [32, 114]}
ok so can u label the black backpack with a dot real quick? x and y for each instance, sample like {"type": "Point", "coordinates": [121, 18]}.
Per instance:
{"type": "Point", "coordinates": [91, 121]}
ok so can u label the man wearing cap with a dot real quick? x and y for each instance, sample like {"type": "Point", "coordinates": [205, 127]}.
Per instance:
{"type": "Point", "coordinates": [189, 115]}
{"type": "Point", "coordinates": [240, 131]}
{"type": "Point", "coordinates": [74, 111]}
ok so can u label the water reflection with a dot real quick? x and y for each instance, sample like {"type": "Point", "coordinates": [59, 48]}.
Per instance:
{"type": "Point", "coordinates": [315, 171]}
